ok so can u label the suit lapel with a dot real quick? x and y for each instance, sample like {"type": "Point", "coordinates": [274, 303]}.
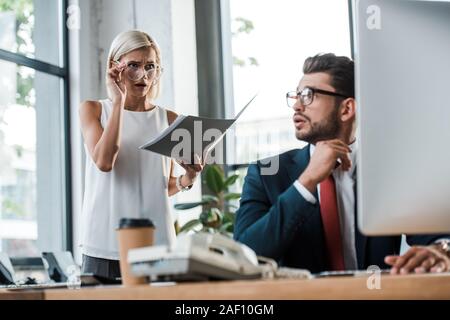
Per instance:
{"type": "Point", "coordinates": [298, 164]}
{"type": "Point", "coordinates": [299, 161]}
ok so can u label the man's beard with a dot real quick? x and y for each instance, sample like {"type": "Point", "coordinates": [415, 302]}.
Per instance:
{"type": "Point", "coordinates": [324, 130]}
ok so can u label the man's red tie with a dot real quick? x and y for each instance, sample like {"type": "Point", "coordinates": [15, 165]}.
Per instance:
{"type": "Point", "coordinates": [331, 226]}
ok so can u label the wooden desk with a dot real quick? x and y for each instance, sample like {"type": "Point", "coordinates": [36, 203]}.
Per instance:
{"type": "Point", "coordinates": [21, 295]}
{"type": "Point", "coordinates": [434, 286]}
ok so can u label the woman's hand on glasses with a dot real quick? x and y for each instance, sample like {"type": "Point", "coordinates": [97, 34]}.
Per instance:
{"type": "Point", "coordinates": [114, 83]}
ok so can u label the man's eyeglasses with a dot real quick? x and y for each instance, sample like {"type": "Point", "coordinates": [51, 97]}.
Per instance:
{"type": "Point", "coordinates": [306, 96]}
{"type": "Point", "coordinates": [134, 71]}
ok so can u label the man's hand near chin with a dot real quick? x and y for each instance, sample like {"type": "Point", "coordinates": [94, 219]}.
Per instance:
{"type": "Point", "coordinates": [420, 259]}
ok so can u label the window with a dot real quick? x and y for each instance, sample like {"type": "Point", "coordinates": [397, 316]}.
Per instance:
{"type": "Point", "coordinates": [270, 41]}
{"type": "Point", "coordinates": [34, 193]}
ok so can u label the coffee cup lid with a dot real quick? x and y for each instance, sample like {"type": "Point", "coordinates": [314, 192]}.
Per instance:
{"type": "Point", "coordinates": [135, 223]}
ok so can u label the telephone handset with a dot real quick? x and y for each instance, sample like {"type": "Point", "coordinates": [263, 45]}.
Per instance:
{"type": "Point", "coordinates": [60, 265]}
{"type": "Point", "coordinates": [232, 251]}
{"type": "Point", "coordinates": [6, 270]}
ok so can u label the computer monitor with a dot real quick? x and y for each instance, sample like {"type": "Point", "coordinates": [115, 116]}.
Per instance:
{"type": "Point", "coordinates": [402, 56]}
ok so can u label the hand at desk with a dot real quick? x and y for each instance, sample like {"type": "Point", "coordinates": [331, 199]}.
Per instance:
{"type": "Point", "coordinates": [419, 259]}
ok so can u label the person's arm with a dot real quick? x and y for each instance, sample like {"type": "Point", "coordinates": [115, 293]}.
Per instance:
{"type": "Point", "coordinates": [265, 227]}
{"type": "Point", "coordinates": [103, 143]}
{"type": "Point", "coordinates": [269, 228]}
{"type": "Point", "coordinates": [172, 189]}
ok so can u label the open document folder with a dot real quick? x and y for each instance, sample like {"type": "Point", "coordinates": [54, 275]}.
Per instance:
{"type": "Point", "coordinates": [189, 135]}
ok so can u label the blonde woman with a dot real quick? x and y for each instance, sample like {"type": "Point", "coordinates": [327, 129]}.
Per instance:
{"type": "Point", "coordinates": [121, 180]}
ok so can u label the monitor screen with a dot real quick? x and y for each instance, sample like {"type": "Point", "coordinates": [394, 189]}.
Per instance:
{"type": "Point", "coordinates": [402, 73]}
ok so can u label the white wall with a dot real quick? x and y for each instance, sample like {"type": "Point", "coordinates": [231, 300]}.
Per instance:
{"type": "Point", "coordinates": [172, 24]}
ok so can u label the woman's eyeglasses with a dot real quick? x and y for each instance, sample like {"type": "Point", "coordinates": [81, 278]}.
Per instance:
{"type": "Point", "coordinates": [135, 72]}
{"type": "Point", "coordinates": [306, 96]}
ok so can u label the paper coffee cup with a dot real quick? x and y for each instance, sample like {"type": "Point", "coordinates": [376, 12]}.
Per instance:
{"type": "Point", "coordinates": [133, 233]}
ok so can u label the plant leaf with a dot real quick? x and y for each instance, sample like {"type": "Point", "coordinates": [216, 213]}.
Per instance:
{"type": "Point", "coordinates": [211, 218]}
{"type": "Point", "coordinates": [207, 198]}
{"type": "Point", "coordinates": [231, 180]}
{"type": "Point", "coordinates": [228, 217]}
{"type": "Point", "coordinates": [214, 179]}
{"type": "Point", "coordinates": [226, 227]}
{"type": "Point", "coordinates": [216, 214]}
{"type": "Point", "coordinates": [208, 230]}
{"type": "Point", "coordinates": [177, 227]}
{"type": "Point", "coordinates": [232, 196]}
{"type": "Point", "coordinates": [190, 225]}
{"type": "Point", "coordinates": [188, 205]}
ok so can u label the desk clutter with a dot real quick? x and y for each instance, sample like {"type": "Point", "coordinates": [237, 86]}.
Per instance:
{"type": "Point", "coordinates": [195, 257]}
{"type": "Point", "coordinates": [52, 269]}
{"type": "Point", "coordinates": [206, 256]}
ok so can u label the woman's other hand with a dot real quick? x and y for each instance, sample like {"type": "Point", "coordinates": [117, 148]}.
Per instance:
{"type": "Point", "coordinates": [192, 170]}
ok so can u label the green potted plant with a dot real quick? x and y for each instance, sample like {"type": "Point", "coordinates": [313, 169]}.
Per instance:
{"type": "Point", "coordinates": [218, 213]}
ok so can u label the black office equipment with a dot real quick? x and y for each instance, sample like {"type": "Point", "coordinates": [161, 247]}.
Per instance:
{"type": "Point", "coordinates": [6, 270]}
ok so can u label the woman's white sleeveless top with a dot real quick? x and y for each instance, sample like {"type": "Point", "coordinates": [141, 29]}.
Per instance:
{"type": "Point", "coordinates": [136, 187]}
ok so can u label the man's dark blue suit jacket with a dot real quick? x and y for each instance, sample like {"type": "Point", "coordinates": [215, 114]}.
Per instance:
{"type": "Point", "coordinates": [277, 222]}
